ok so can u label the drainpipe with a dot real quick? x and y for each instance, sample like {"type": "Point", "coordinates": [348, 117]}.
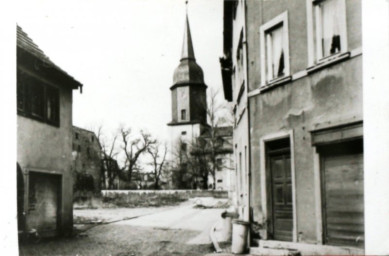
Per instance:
{"type": "Point", "coordinates": [246, 77]}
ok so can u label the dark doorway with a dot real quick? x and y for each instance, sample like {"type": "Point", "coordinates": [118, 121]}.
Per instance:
{"type": "Point", "coordinates": [20, 197]}
{"type": "Point", "coordinates": [44, 203]}
{"type": "Point", "coordinates": [280, 190]}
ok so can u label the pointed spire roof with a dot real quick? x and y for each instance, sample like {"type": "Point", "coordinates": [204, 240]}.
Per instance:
{"type": "Point", "coordinates": [187, 45]}
{"type": "Point", "coordinates": [188, 71]}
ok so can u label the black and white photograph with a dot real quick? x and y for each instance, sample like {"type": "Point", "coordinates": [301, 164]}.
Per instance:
{"type": "Point", "coordinates": [197, 127]}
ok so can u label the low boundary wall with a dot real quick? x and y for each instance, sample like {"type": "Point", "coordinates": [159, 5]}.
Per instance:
{"type": "Point", "coordinates": [183, 194]}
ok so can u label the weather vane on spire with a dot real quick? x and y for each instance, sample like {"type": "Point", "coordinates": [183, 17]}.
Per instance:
{"type": "Point", "coordinates": [186, 6]}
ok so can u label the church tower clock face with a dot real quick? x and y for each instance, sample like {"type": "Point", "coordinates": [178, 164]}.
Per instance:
{"type": "Point", "coordinates": [183, 104]}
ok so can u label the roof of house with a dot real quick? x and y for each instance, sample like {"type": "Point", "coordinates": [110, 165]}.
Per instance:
{"type": "Point", "coordinates": [223, 131]}
{"type": "Point", "coordinates": [25, 43]}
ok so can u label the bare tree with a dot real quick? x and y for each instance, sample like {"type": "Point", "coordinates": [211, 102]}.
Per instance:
{"type": "Point", "coordinates": [133, 147]}
{"type": "Point", "coordinates": [209, 146]}
{"type": "Point", "coordinates": [158, 155]}
{"type": "Point", "coordinates": [109, 166]}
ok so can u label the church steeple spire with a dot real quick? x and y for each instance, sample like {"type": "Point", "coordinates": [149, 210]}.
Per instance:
{"type": "Point", "coordinates": [187, 46]}
{"type": "Point", "coordinates": [188, 71]}
{"type": "Point", "coordinates": [188, 89]}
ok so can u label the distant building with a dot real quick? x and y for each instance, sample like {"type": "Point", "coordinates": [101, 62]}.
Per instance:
{"type": "Point", "coordinates": [294, 72]}
{"type": "Point", "coordinates": [225, 174]}
{"type": "Point", "coordinates": [44, 141]}
{"type": "Point", "coordinates": [87, 164]}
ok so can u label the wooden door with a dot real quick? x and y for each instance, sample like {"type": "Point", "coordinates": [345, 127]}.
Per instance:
{"type": "Point", "coordinates": [342, 189]}
{"type": "Point", "coordinates": [43, 204]}
{"type": "Point", "coordinates": [281, 222]}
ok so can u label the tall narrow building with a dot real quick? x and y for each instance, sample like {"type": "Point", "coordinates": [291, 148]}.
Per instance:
{"type": "Point", "coordinates": [189, 116]}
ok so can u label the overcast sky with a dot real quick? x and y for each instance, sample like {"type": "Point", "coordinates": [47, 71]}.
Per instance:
{"type": "Point", "coordinates": [124, 52]}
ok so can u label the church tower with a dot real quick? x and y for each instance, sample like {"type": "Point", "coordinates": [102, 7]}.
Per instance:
{"type": "Point", "coordinates": [188, 92]}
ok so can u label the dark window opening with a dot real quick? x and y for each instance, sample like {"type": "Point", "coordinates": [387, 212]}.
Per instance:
{"type": "Point", "coordinates": [37, 100]}
{"type": "Point", "coordinates": [183, 147]}
{"type": "Point", "coordinates": [37, 93]}
{"type": "Point", "coordinates": [183, 133]}
{"type": "Point", "coordinates": [183, 114]}
{"type": "Point", "coordinates": [76, 136]}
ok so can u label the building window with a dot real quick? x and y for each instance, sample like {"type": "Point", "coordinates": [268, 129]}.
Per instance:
{"type": "Point", "coordinates": [183, 133]}
{"type": "Point", "coordinates": [79, 148]}
{"type": "Point", "coordinates": [76, 135]}
{"type": "Point", "coordinates": [52, 105]}
{"type": "Point", "coordinates": [37, 100]}
{"type": "Point", "coordinates": [219, 180]}
{"type": "Point", "coordinates": [183, 146]}
{"type": "Point", "coordinates": [183, 114]}
{"type": "Point", "coordinates": [88, 152]}
{"type": "Point", "coordinates": [92, 138]}
{"type": "Point", "coordinates": [274, 49]}
{"type": "Point", "coordinates": [329, 19]}
{"type": "Point", "coordinates": [37, 93]}
{"type": "Point", "coordinates": [219, 164]}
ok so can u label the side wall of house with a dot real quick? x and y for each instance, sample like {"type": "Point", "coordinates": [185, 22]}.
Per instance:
{"type": "Point", "coordinates": [331, 95]}
{"type": "Point", "coordinates": [47, 149]}
{"type": "Point", "coordinates": [239, 92]}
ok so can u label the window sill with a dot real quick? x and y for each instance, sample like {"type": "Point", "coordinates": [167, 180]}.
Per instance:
{"type": "Point", "coordinates": [37, 118]}
{"type": "Point", "coordinates": [274, 83]}
{"type": "Point", "coordinates": [328, 62]}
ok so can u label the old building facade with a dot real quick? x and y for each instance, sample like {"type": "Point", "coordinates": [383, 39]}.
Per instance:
{"type": "Point", "coordinates": [44, 141]}
{"type": "Point", "coordinates": [87, 160]}
{"type": "Point", "coordinates": [234, 76]}
{"type": "Point", "coordinates": [305, 122]}
{"type": "Point", "coordinates": [225, 175]}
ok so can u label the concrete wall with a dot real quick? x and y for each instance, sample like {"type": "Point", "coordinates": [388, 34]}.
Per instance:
{"type": "Point", "coordinates": [329, 96]}
{"type": "Point", "coordinates": [47, 149]}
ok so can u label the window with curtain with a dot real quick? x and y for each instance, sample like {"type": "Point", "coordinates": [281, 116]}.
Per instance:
{"type": "Point", "coordinates": [275, 66]}
{"type": "Point", "coordinates": [330, 27]}
{"type": "Point", "coordinates": [274, 46]}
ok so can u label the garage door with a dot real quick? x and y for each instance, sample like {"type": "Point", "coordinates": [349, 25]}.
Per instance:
{"type": "Point", "coordinates": [343, 208]}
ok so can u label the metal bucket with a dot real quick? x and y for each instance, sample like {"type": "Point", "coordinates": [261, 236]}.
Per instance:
{"type": "Point", "coordinates": [239, 236]}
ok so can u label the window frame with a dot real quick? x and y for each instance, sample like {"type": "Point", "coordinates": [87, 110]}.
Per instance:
{"type": "Point", "coordinates": [25, 92]}
{"type": "Point", "coordinates": [280, 20]}
{"type": "Point", "coordinates": [183, 114]}
{"type": "Point", "coordinates": [315, 46]}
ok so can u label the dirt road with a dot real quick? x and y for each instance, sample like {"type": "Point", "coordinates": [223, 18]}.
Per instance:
{"type": "Point", "coordinates": [181, 230]}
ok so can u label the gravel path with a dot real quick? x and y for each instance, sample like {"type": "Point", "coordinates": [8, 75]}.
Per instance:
{"type": "Point", "coordinates": [180, 230]}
